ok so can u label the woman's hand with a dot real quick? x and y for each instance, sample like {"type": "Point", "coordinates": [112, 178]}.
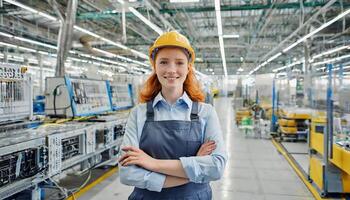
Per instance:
{"type": "Point", "coordinates": [135, 156]}
{"type": "Point", "coordinates": [206, 148]}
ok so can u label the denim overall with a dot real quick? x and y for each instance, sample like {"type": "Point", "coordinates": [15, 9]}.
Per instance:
{"type": "Point", "coordinates": [172, 139]}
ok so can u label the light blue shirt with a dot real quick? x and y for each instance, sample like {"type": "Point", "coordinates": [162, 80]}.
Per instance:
{"type": "Point", "coordinates": [198, 169]}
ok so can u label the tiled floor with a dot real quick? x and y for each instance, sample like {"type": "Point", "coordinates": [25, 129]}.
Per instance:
{"type": "Point", "coordinates": [255, 170]}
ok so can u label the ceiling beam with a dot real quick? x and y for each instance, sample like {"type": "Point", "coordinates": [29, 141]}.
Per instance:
{"type": "Point", "coordinates": [254, 7]}
{"type": "Point", "coordinates": [115, 13]}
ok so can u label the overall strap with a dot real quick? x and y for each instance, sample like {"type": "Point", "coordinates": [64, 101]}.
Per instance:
{"type": "Point", "coordinates": [150, 111]}
{"type": "Point", "coordinates": [194, 111]}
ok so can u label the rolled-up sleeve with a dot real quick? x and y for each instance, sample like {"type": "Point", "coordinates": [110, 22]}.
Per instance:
{"type": "Point", "coordinates": [202, 169]}
{"type": "Point", "coordinates": [134, 175]}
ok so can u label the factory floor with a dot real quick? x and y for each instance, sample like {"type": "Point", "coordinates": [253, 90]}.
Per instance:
{"type": "Point", "coordinates": [255, 170]}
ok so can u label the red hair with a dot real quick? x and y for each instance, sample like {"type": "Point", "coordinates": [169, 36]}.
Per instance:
{"type": "Point", "coordinates": [191, 85]}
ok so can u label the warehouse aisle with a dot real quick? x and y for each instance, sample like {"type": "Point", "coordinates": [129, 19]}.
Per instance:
{"type": "Point", "coordinates": [254, 170]}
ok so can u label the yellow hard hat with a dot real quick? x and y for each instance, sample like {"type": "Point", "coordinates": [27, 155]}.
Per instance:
{"type": "Point", "coordinates": [172, 38]}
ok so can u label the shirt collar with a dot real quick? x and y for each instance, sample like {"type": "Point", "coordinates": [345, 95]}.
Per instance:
{"type": "Point", "coordinates": [183, 99]}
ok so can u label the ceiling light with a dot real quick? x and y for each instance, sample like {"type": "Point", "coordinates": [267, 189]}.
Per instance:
{"type": "Point", "coordinates": [86, 31]}
{"type": "Point", "coordinates": [317, 30]}
{"type": "Point", "coordinates": [221, 39]}
{"type": "Point", "coordinates": [184, 1]}
{"type": "Point", "coordinates": [331, 60]}
{"type": "Point", "coordinates": [6, 35]}
{"type": "Point", "coordinates": [26, 49]}
{"type": "Point", "coordinates": [35, 42]}
{"type": "Point", "coordinates": [311, 34]}
{"type": "Point", "coordinates": [141, 55]}
{"type": "Point", "coordinates": [75, 27]}
{"type": "Point", "coordinates": [331, 51]}
{"type": "Point", "coordinates": [146, 21]}
{"type": "Point", "coordinates": [121, 2]}
{"type": "Point", "coordinates": [29, 41]}
{"type": "Point", "coordinates": [274, 57]}
{"type": "Point", "coordinates": [288, 66]}
{"type": "Point", "coordinates": [8, 45]}
{"type": "Point", "coordinates": [231, 36]}
{"type": "Point", "coordinates": [240, 69]}
{"type": "Point", "coordinates": [31, 10]}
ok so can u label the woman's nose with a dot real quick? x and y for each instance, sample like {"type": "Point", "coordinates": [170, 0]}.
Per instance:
{"type": "Point", "coordinates": [171, 67]}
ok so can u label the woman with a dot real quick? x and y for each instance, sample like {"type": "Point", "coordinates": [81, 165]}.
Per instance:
{"type": "Point", "coordinates": [173, 145]}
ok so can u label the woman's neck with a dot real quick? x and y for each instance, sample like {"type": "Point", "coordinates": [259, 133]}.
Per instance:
{"type": "Point", "coordinates": [172, 95]}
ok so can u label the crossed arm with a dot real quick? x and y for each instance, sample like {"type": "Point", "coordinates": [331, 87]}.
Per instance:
{"type": "Point", "coordinates": [173, 169]}
{"type": "Point", "coordinates": [141, 170]}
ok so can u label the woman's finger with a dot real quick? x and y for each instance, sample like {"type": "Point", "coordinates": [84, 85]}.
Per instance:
{"type": "Point", "coordinates": [122, 157]}
{"type": "Point", "coordinates": [129, 153]}
{"type": "Point", "coordinates": [131, 162]}
{"type": "Point", "coordinates": [130, 158]}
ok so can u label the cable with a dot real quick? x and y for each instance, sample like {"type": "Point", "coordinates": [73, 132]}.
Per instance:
{"type": "Point", "coordinates": [54, 97]}
{"type": "Point", "coordinates": [84, 184]}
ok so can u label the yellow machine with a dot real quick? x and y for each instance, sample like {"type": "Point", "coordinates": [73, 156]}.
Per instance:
{"type": "Point", "coordinates": [293, 124]}
{"type": "Point", "coordinates": [330, 173]}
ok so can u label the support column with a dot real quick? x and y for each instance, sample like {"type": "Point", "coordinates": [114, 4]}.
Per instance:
{"type": "Point", "coordinates": [65, 36]}
{"type": "Point", "coordinates": [40, 63]}
{"type": "Point", "coordinates": [308, 71]}
{"type": "Point", "coordinates": [124, 25]}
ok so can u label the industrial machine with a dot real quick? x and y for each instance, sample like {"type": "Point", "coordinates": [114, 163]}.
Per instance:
{"type": "Point", "coordinates": [32, 156]}
{"type": "Point", "coordinates": [120, 95]}
{"type": "Point", "coordinates": [23, 161]}
{"type": "Point", "coordinates": [72, 97]}
{"type": "Point", "coordinates": [329, 169]}
{"type": "Point", "coordinates": [15, 93]}
{"type": "Point", "coordinates": [294, 124]}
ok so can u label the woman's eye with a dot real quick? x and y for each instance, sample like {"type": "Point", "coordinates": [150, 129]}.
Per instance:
{"type": "Point", "coordinates": [180, 63]}
{"type": "Point", "coordinates": [163, 62]}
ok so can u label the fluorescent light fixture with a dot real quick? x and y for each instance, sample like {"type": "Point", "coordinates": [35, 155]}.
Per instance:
{"type": "Point", "coordinates": [32, 10]}
{"type": "Point", "coordinates": [274, 57]}
{"type": "Point", "coordinates": [29, 41]}
{"type": "Point", "coordinates": [317, 30]}
{"type": "Point", "coordinates": [240, 69]}
{"type": "Point", "coordinates": [43, 52]}
{"type": "Point", "coordinates": [146, 21]}
{"type": "Point", "coordinates": [21, 6]}
{"type": "Point", "coordinates": [221, 39]}
{"type": "Point", "coordinates": [75, 27]}
{"type": "Point", "coordinates": [141, 55]}
{"type": "Point", "coordinates": [109, 54]}
{"type": "Point", "coordinates": [114, 43]}
{"type": "Point", "coordinates": [48, 16]}
{"type": "Point", "coordinates": [288, 66]}
{"type": "Point", "coordinates": [112, 55]}
{"type": "Point", "coordinates": [184, 1]}
{"type": "Point", "coordinates": [121, 2]}
{"type": "Point", "coordinates": [231, 36]}
{"type": "Point", "coordinates": [86, 31]}
{"type": "Point", "coordinates": [331, 51]}
{"type": "Point", "coordinates": [8, 45]}
{"type": "Point", "coordinates": [35, 42]}
{"type": "Point", "coordinates": [331, 60]}
{"type": "Point", "coordinates": [26, 49]}
{"type": "Point", "coordinates": [223, 57]}
{"type": "Point", "coordinates": [44, 68]}
{"type": "Point", "coordinates": [6, 35]}
{"type": "Point", "coordinates": [313, 33]}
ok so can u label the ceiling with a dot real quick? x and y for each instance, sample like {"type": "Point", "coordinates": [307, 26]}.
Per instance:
{"type": "Point", "coordinates": [265, 27]}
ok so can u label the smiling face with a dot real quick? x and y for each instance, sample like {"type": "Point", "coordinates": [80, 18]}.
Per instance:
{"type": "Point", "coordinates": [171, 68]}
